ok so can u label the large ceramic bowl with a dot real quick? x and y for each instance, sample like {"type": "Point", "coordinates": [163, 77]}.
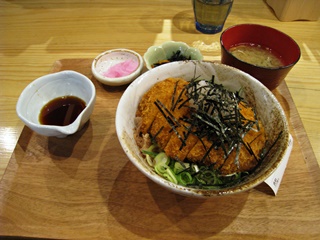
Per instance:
{"type": "Point", "coordinates": [49, 87]}
{"type": "Point", "coordinates": [268, 110]}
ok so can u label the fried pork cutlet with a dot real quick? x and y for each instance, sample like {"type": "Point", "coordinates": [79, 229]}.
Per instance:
{"type": "Point", "coordinates": [148, 110]}
{"type": "Point", "coordinates": [255, 141]}
{"type": "Point", "coordinates": [160, 114]}
{"type": "Point", "coordinates": [164, 123]}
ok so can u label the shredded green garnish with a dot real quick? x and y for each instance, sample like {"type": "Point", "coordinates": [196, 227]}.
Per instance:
{"type": "Point", "coordinates": [190, 174]}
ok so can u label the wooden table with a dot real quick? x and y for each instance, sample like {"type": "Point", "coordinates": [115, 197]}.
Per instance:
{"type": "Point", "coordinates": [86, 189]}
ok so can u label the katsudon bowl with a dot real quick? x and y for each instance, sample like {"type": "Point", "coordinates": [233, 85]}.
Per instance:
{"type": "Point", "coordinates": [268, 110]}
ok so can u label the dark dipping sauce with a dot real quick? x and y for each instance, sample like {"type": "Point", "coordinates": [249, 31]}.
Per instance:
{"type": "Point", "coordinates": [61, 111]}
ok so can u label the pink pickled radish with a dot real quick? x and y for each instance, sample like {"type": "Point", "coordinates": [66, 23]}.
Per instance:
{"type": "Point", "coordinates": [121, 69]}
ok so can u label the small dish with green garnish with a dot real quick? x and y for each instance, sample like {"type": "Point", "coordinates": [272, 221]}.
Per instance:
{"type": "Point", "coordinates": [170, 51]}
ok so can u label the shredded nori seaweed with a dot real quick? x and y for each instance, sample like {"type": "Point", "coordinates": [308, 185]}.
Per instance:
{"type": "Point", "coordinates": [214, 114]}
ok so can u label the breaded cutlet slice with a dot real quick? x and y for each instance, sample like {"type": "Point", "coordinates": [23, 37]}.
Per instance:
{"type": "Point", "coordinates": [199, 153]}
{"type": "Point", "coordinates": [175, 149]}
{"type": "Point", "coordinates": [247, 158]}
{"type": "Point", "coordinates": [161, 129]}
{"type": "Point", "coordinates": [147, 110]}
{"type": "Point", "coordinates": [249, 155]}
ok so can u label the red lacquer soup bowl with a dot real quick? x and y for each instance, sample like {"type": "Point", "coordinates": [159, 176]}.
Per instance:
{"type": "Point", "coordinates": [283, 46]}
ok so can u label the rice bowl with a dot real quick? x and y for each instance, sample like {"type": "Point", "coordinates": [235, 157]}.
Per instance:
{"type": "Point", "coordinates": [267, 106]}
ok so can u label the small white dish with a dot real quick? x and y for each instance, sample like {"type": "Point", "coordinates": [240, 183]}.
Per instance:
{"type": "Point", "coordinates": [46, 88]}
{"type": "Point", "coordinates": [117, 67]}
{"type": "Point", "coordinates": [155, 54]}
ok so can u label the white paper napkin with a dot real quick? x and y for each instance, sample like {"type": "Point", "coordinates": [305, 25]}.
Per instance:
{"type": "Point", "coordinates": [274, 180]}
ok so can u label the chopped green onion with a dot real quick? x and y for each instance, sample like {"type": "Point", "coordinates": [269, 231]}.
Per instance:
{"type": "Point", "coordinates": [151, 154]}
{"type": "Point", "coordinates": [195, 168]}
{"type": "Point", "coordinates": [162, 158]}
{"type": "Point", "coordinates": [150, 161]}
{"type": "Point", "coordinates": [160, 168]}
{"type": "Point", "coordinates": [150, 151]}
{"type": "Point", "coordinates": [169, 175]}
{"type": "Point", "coordinates": [179, 167]}
{"type": "Point", "coordinates": [185, 178]}
{"type": "Point", "coordinates": [190, 174]}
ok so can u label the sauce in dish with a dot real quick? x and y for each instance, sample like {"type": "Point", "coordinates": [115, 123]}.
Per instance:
{"type": "Point", "coordinates": [257, 55]}
{"type": "Point", "coordinates": [61, 111]}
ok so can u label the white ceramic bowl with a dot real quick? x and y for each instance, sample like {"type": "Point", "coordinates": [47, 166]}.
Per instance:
{"type": "Point", "coordinates": [48, 87]}
{"type": "Point", "coordinates": [154, 54]}
{"type": "Point", "coordinates": [268, 110]}
{"type": "Point", "coordinates": [117, 67]}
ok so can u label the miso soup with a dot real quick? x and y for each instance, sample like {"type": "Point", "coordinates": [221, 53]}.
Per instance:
{"type": "Point", "coordinates": [257, 55]}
